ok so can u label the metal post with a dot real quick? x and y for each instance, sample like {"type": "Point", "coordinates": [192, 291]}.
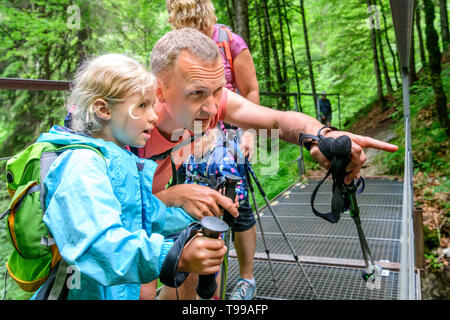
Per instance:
{"type": "Point", "coordinates": [300, 160]}
{"type": "Point", "coordinates": [339, 111]}
{"type": "Point", "coordinates": [317, 107]}
{"type": "Point", "coordinates": [403, 18]}
{"type": "Point", "coordinates": [407, 256]}
{"type": "Point", "coordinates": [299, 97]}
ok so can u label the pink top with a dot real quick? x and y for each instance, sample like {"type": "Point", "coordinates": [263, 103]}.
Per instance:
{"type": "Point", "coordinates": [236, 46]}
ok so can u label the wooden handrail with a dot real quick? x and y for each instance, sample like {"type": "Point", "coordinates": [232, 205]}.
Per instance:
{"type": "Point", "coordinates": [33, 84]}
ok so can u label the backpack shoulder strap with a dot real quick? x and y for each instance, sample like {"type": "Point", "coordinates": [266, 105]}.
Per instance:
{"type": "Point", "coordinates": [47, 159]}
{"type": "Point", "coordinates": [79, 146]}
{"type": "Point", "coordinates": [223, 42]}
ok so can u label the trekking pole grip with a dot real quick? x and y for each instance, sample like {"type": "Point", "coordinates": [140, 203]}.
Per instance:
{"type": "Point", "coordinates": [230, 192]}
{"type": "Point", "coordinates": [212, 227]}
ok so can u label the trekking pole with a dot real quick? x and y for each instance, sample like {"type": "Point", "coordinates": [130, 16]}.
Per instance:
{"type": "Point", "coordinates": [338, 151]}
{"type": "Point", "coordinates": [212, 227]}
{"type": "Point", "coordinates": [263, 194]}
{"type": "Point", "coordinates": [230, 192]}
{"type": "Point", "coordinates": [372, 270]}
{"type": "Point", "coordinates": [250, 185]}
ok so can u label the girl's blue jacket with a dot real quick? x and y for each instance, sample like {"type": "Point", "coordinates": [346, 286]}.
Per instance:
{"type": "Point", "coordinates": [104, 218]}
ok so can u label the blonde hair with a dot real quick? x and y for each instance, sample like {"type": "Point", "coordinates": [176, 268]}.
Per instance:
{"type": "Point", "coordinates": [168, 47]}
{"type": "Point", "coordinates": [111, 77]}
{"type": "Point", "coordinates": [197, 14]}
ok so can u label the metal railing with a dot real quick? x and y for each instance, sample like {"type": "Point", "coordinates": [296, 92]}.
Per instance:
{"type": "Point", "coordinates": [407, 253]}
{"type": "Point", "coordinates": [403, 19]}
{"type": "Point", "coordinates": [33, 84]}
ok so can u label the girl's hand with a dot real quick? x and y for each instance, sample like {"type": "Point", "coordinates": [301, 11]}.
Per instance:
{"type": "Point", "coordinates": [202, 255]}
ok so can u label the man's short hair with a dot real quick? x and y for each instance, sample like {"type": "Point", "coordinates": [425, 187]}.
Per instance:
{"type": "Point", "coordinates": [167, 49]}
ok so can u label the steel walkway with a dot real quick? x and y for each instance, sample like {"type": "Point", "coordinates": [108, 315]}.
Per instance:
{"type": "Point", "coordinates": [330, 253]}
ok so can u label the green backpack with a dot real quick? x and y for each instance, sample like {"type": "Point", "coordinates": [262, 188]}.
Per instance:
{"type": "Point", "coordinates": [34, 252]}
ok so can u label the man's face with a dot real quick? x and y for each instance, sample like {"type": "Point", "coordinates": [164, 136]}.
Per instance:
{"type": "Point", "coordinates": [192, 92]}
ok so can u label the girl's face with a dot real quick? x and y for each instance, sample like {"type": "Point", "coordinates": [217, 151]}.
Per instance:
{"type": "Point", "coordinates": [132, 120]}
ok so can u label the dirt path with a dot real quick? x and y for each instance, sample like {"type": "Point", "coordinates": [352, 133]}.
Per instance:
{"type": "Point", "coordinates": [377, 124]}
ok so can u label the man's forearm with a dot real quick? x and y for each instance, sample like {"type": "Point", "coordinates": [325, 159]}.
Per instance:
{"type": "Point", "coordinates": [292, 124]}
{"type": "Point", "coordinates": [247, 115]}
{"type": "Point", "coordinates": [167, 198]}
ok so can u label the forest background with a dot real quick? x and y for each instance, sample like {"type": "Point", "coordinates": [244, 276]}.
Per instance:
{"type": "Point", "coordinates": [345, 47]}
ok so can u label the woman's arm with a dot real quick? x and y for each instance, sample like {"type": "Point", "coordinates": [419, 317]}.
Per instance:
{"type": "Point", "coordinates": [247, 84]}
{"type": "Point", "coordinates": [245, 76]}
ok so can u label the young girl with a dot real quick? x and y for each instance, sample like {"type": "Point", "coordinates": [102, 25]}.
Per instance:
{"type": "Point", "coordinates": [100, 210]}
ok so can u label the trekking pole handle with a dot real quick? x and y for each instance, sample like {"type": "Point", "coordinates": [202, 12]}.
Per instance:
{"type": "Point", "coordinates": [230, 192]}
{"type": "Point", "coordinates": [212, 227]}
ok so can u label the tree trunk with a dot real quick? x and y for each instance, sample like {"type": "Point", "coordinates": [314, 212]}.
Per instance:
{"type": "Point", "coordinates": [434, 63]}
{"type": "Point", "coordinates": [264, 40]}
{"type": "Point", "coordinates": [376, 64]}
{"type": "Point", "coordinates": [284, 99]}
{"type": "Point", "coordinates": [308, 57]}
{"type": "Point", "coordinates": [297, 81]}
{"type": "Point", "coordinates": [412, 59]}
{"type": "Point", "coordinates": [444, 24]}
{"type": "Point", "coordinates": [241, 20]}
{"type": "Point", "coordinates": [283, 47]}
{"type": "Point", "coordinates": [230, 12]}
{"type": "Point", "coordinates": [419, 33]}
{"type": "Point", "coordinates": [273, 45]}
{"type": "Point", "coordinates": [383, 64]}
{"type": "Point", "coordinates": [394, 56]}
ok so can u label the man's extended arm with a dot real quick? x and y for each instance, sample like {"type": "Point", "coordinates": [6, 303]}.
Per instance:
{"type": "Point", "coordinates": [246, 114]}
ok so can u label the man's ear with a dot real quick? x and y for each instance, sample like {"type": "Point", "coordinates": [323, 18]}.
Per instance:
{"type": "Point", "coordinates": [160, 89]}
{"type": "Point", "coordinates": [102, 109]}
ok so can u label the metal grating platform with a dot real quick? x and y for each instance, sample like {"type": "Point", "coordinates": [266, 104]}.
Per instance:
{"type": "Point", "coordinates": [331, 283]}
{"type": "Point", "coordinates": [329, 247]}
{"type": "Point", "coordinates": [321, 243]}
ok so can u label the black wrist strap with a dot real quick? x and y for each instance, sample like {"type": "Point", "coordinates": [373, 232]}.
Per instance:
{"type": "Point", "coordinates": [338, 151]}
{"type": "Point", "coordinates": [169, 274]}
{"type": "Point", "coordinates": [308, 143]}
{"type": "Point", "coordinates": [325, 127]}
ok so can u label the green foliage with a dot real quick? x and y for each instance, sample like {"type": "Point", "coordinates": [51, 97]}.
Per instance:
{"type": "Point", "coordinates": [41, 40]}
{"type": "Point", "coordinates": [434, 263]}
{"type": "Point", "coordinates": [429, 139]}
{"type": "Point", "coordinates": [431, 239]}
{"type": "Point", "coordinates": [38, 42]}
{"type": "Point", "coordinates": [286, 173]}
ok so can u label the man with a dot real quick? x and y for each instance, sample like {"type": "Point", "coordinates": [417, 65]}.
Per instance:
{"type": "Point", "coordinates": [325, 109]}
{"type": "Point", "coordinates": [190, 93]}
